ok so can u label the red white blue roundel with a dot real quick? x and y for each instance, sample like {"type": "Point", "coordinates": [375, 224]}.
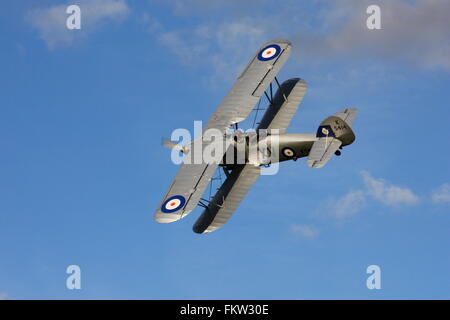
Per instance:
{"type": "Point", "coordinates": [173, 204]}
{"type": "Point", "coordinates": [270, 52]}
{"type": "Point", "coordinates": [288, 152]}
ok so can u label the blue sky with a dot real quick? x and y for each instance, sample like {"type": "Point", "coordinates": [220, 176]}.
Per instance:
{"type": "Point", "coordinates": [82, 169]}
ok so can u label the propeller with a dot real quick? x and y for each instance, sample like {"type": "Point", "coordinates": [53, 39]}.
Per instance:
{"type": "Point", "coordinates": [171, 145]}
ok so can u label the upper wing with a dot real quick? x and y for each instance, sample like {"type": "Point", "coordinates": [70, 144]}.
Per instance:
{"type": "Point", "coordinates": [251, 84]}
{"type": "Point", "coordinates": [284, 105]}
{"type": "Point", "coordinates": [227, 198]}
{"type": "Point", "coordinates": [185, 191]}
{"type": "Point", "coordinates": [192, 179]}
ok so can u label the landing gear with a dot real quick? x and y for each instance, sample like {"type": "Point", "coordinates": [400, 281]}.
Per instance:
{"type": "Point", "coordinates": [338, 153]}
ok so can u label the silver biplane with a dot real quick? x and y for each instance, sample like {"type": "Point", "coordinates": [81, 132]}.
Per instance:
{"type": "Point", "coordinates": [192, 179]}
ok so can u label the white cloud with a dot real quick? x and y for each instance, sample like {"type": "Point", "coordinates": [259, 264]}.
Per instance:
{"type": "Point", "coordinates": [305, 231]}
{"type": "Point", "coordinates": [441, 194]}
{"type": "Point", "coordinates": [228, 32]}
{"type": "Point", "coordinates": [412, 31]}
{"type": "Point", "coordinates": [4, 296]}
{"type": "Point", "coordinates": [222, 48]}
{"type": "Point", "coordinates": [349, 204]}
{"type": "Point", "coordinates": [378, 189]}
{"type": "Point", "coordinates": [188, 53]}
{"type": "Point", "coordinates": [387, 193]}
{"type": "Point", "coordinates": [51, 22]}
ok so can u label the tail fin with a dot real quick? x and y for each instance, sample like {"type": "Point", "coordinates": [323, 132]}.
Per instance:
{"type": "Point", "coordinates": [348, 115]}
{"type": "Point", "coordinates": [333, 133]}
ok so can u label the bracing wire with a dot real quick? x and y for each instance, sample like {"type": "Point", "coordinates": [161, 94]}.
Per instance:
{"type": "Point", "coordinates": [256, 114]}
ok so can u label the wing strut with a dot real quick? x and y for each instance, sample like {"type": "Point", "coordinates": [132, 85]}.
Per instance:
{"type": "Point", "coordinates": [270, 99]}
{"type": "Point", "coordinates": [281, 89]}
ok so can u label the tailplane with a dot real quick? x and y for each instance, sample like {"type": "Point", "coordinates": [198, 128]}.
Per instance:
{"type": "Point", "coordinates": [333, 133]}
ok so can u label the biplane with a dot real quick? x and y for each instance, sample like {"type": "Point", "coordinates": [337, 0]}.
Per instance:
{"type": "Point", "coordinates": [257, 80]}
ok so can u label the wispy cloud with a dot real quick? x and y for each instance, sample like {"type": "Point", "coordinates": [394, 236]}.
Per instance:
{"type": "Point", "coordinates": [305, 231]}
{"type": "Point", "coordinates": [226, 33]}
{"type": "Point", "coordinates": [441, 194]}
{"type": "Point", "coordinates": [377, 189]}
{"type": "Point", "coordinates": [388, 194]}
{"type": "Point", "coordinates": [4, 296]}
{"type": "Point", "coordinates": [223, 48]}
{"type": "Point", "coordinates": [51, 22]}
{"type": "Point", "coordinates": [349, 204]}
{"type": "Point", "coordinates": [415, 32]}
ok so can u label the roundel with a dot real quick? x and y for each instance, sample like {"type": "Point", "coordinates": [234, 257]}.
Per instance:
{"type": "Point", "coordinates": [173, 204]}
{"type": "Point", "coordinates": [325, 131]}
{"type": "Point", "coordinates": [288, 152]}
{"type": "Point", "coordinates": [270, 52]}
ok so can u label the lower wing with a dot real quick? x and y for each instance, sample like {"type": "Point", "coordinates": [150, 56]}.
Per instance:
{"type": "Point", "coordinates": [227, 198]}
